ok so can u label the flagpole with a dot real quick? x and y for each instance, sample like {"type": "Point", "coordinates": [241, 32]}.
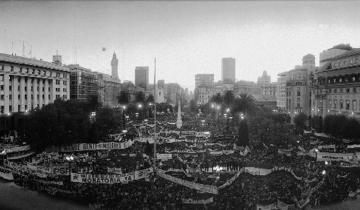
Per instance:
{"type": "Point", "coordinates": [155, 96]}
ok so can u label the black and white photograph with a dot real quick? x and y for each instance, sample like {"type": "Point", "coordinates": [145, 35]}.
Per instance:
{"type": "Point", "coordinates": [179, 105]}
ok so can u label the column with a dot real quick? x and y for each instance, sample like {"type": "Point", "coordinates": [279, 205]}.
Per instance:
{"type": "Point", "coordinates": [6, 91]}
{"type": "Point", "coordinates": [15, 94]}
{"type": "Point", "coordinates": [22, 94]}
{"type": "Point", "coordinates": [46, 91]}
{"type": "Point", "coordinates": [29, 93]}
{"type": "Point", "coordinates": [41, 92]}
{"type": "Point", "coordinates": [35, 85]}
{"type": "Point", "coordinates": [53, 93]}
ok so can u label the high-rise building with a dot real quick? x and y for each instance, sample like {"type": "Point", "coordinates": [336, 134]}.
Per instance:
{"type": "Point", "coordinates": [204, 80]}
{"type": "Point", "coordinates": [142, 76]}
{"type": "Point", "coordinates": [27, 83]}
{"type": "Point", "coordinates": [281, 91]}
{"type": "Point", "coordinates": [83, 83]}
{"type": "Point", "coordinates": [228, 70]}
{"type": "Point", "coordinates": [114, 67]}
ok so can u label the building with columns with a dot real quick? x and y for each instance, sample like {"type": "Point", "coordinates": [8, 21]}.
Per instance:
{"type": "Point", "coordinates": [27, 83]}
{"type": "Point", "coordinates": [336, 86]}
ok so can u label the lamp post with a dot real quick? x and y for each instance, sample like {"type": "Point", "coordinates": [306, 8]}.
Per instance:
{"type": "Point", "coordinates": [139, 107]}
{"type": "Point", "coordinates": [123, 108]}
{"type": "Point", "coordinates": [69, 159]}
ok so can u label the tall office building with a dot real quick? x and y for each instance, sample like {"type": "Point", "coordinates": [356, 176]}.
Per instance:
{"type": "Point", "coordinates": [228, 70]}
{"type": "Point", "coordinates": [114, 67]}
{"type": "Point", "coordinates": [142, 76]}
{"type": "Point", "coordinates": [83, 83]}
{"type": "Point", "coordinates": [204, 80]}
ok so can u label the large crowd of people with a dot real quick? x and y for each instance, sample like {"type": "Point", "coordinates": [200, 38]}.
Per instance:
{"type": "Point", "coordinates": [210, 160]}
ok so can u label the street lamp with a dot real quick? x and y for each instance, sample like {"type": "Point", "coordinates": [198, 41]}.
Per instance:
{"type": "Point", "coordinates": [242, 117]}
{"type": "Point", "coordinates": [69, 159]}
{"type": "Point", "coordinates": [139, 106]}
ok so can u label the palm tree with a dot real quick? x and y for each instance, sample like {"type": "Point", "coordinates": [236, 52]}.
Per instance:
{"type": "Point", "coordinates": [245, 103]}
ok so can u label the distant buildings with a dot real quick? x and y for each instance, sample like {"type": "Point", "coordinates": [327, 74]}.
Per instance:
{"type": "Point", "coordinates": [332, 52]}
{"type": "Point", "coordinates": [228, 70]}
{"type": "Point", "coordinates": [204, 88]}
{"type": "Point", "coordinates": [83, 83]}
{"type": "Point", "coordinates": [142, 77]}
{"type": "Point", "coordinates": [114, 67]}
{"type": "Point", "coordinates": [204, 80]}
{"type": "Point", "coordinates": [264, 79]}
{"type": "Point", "coordinates": [308, 62]}
{"type": "Point", "coordinates": [29, 83]}
{"type": "Point", "coordinates": [336, 85]}
{"type": "Point", "coordinates": [108, 89]}
{"type": "Point", "coordinates": [297, 92]}
{"type": "Point", "coordinates": [281, 91]}
{"type": "Point", "coordinates": [172, 93]}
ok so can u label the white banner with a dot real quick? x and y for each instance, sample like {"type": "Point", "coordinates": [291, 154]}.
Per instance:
{"type": "Point", "coordinates": [18, 149]}
{"type": "Point", "coordinates": [99, 146]}
{"type": "Point", "coordinates": [164, 156]}
{"type": "Point", "coordinates": [192, 201]}
{"type": "Point", "coordinates": [110, 178]}
{"type": "Point", "coordinates": [200, 187]}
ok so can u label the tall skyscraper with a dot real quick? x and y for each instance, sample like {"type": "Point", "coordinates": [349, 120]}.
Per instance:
{"type": "Point", "coordinates": [114, 67]}
{"type": "Point", "coordinates": [142, 76]}
{"type": "Point", "coordinates": [228, 70]}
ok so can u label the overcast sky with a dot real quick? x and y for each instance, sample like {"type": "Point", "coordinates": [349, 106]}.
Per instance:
{"type": "Point", "coordinates": [185, 37]}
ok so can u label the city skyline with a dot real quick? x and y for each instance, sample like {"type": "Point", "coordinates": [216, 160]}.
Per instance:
{"type": "Point", "coordinates": [187, 38]}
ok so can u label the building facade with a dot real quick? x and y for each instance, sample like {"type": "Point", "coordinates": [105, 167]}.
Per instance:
{"type": "Point", "coordinates": [336, 86]}
{"type": "Point", "coordinates": [108, 89]}
{"type": "Point", "coordinates": [142, 76]}
{"type": "Point", "coordinates": [204, 80]}
{"type": "Point", "coordinates": [308, 62]}
{"type": "Point", "coordinates": [83, 83]}
{"type": "Point", "coordinates": [228, 70]}
{"type": "Point", "coordinates": [281, 91]}
{"type": "Point", "coordinates": [27, 83]}
{"type": "Point", "coordinates": [333, 52]}
{"type": "Point", "coordinates": [298, 92]}
{"type": "Point", "coordinates": [264, 79]}
{"type": "Point", "coordinates": [203, 94]}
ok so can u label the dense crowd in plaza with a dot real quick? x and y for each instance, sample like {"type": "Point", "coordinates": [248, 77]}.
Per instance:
{"type": "Point", "coordinates": [205, 160]}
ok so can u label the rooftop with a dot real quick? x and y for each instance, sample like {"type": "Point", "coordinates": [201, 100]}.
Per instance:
{"type": "Point", "coordinates": [31, 62]}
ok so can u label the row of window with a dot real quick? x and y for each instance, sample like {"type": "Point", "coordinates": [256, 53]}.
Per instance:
{"type": "Point", "coordinates": [36, 71]}
{"type": "Point", "coordinates": [32, 88]}
{"type": "Point", "coordinates": [345, 62]}
{"type": "Point", "coordinates": [2, 97]}
{"type": "Point", "coordinates": [344, 104]}
{"type": "Point", "coordinates": [11, 78]}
